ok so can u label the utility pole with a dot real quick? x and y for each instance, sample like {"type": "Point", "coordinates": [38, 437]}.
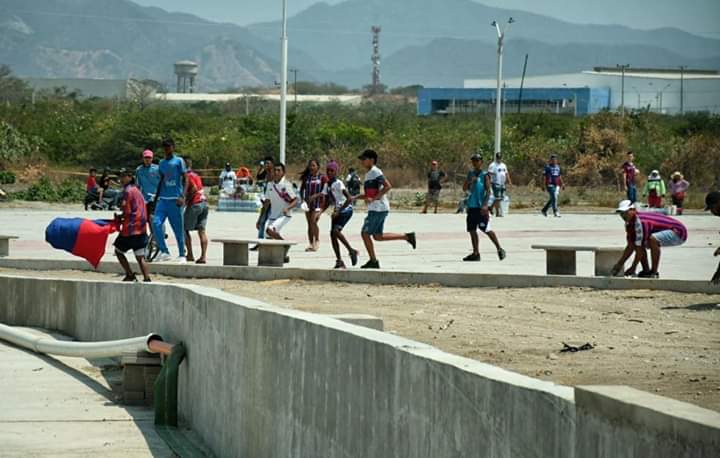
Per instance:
{"type": "Point", "coordinates": [283, 83]}
{"type": "Point", "coordinates": [522, 84]}
{"type": "Point", "coordinates": [295, 71]}
{"type": "Point", "coordinates": [622, 87]}
{"type": "Point", "coordinates": [682, 88]}
{"type": "Point", "coordinates": [498, 95]}
{"type": "Point", "coordinates": [375, 59]}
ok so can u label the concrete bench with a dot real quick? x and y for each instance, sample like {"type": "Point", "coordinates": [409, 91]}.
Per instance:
{"type": "Point", "coordinates": [560, 259]}
{"type": "Point", "coordinates": [5, 244]}
{"type": "Point", "coordinates": [271, 253]}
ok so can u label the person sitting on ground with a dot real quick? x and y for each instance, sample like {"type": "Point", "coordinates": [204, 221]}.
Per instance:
{"type": "Point", "coordinates": [478, 213]}
{"type": "Point", "coordinates": [227, 180]}
{"type": "Point", "coordinates": [649, 230]}
{"type": "Point", "coordinates": [133, 227]}
{"type": "Point", "coordinates": [196, 214]}
{"type": "Point", "coordinates": [280, 199]}
{"type": "Point", "coordinates": [436, 177]}
{"type": "Point", "coordinates": [678, 189]}
{"type": "Point", "coordinates": [712, 204]}
{"type": "Point", "coordinates": [500, 180]}
{"type": "Point", "coordinates": [655, 190]}
{"type": "Point", "coordinates": [244, 176]}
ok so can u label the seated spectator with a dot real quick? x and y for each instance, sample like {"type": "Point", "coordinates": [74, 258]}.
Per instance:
{"type": "Point", "coordinates": [227, 180]}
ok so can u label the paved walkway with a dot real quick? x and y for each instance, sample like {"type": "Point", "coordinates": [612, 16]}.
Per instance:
{"type": "Point", "coordinates": [56, 406]}
{"type": "Point", "coordinates": [442, 240]}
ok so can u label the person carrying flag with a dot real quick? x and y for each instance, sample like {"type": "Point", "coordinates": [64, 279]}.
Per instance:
{"type": "Point", "coordinates": [133, 227]}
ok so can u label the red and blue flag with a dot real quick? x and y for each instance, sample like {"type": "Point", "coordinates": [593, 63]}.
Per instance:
{"type": "Point", "coordinates": [82, 237]}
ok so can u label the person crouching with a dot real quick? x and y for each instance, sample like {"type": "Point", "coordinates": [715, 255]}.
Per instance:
{"type": "Point", "coordinates": [133, 227]}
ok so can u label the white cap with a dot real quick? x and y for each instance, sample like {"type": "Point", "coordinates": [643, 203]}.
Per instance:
{"type": "Point", "coordinates": [624, 206]}
{"type": "Point", "coordinates": [654, 173]}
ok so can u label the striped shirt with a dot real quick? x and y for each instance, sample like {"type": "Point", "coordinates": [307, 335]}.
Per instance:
{"type": "Point", "coordinates": [314, 185]}
{"type": "Point", "coordinates": [643, 225]}
{"type": "Point", "coordinates": [134, 212]}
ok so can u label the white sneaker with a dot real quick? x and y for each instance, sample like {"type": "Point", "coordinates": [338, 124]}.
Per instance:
{"type": "Point", "coordinates": [163, 257]}
{"type": "Point", "coordinates": [181, 260]}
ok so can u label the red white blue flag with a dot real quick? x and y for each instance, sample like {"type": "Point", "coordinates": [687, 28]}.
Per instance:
{"type": "Point", "coordinates": [82, 237]}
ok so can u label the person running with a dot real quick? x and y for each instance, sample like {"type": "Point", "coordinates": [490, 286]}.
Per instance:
{"type": "Point", "coordinates": [196, 214]}
{"type": "Point", "coordinates": [553, 184]}
{"type": "Point", "coordinates": [312, 183]}
{"type": "Point", "coordinates": [678, 188]}
{"type": "Point", "coordinates": [279, 201]}
{"type": "Point", "coordinates": [645, 231]}
{"type": "Point", "coordinates": [170, 201]}
{"type": "Point", "coordinates": [478, 185]}
{"type": "Point", "coordinates": [436, 177]}
{"type": "Point", "coordinates": [712, 204]}
{"type": "Point", "coordinates": [147, 177]}
{"type": "Point", "coordinates": [500, 180]}
{"type": "Point", "coordinates": [335, 194]}
{"type": "Point", "coordinates": [227, 180]}
{"type": "Point", "coordinates": [133, 227]}
{"type": "Point", "coordinates": [630, 173]}
{"type": "Point", "coordinates": [655, 190]}
{"type": "Point", "coordinates": [263, 180]}
{"type": "Point", "coordinates": [376, 187]}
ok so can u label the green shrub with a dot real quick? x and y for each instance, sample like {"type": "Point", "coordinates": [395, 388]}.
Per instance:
{"type": "Point", "coordinates": [7, 177]}
{"type": "Point", "coordinates": [45, 191]}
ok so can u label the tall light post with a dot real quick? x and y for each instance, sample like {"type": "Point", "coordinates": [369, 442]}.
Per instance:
{"type": "Point", "coordinates": [682, 88]}
{"type": "Point", "coordinates": [498, 97]}
{"type": "Point", "coordinates": [660, 97]}
{"type": "Point", "coordinates": [637, 91]}
{"type": "Point", "coordinates": [622, 87]}
{"type": "Point", "coordinates": [283, 82]}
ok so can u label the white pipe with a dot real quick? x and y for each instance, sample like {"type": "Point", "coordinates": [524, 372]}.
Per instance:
{"type": "Point", "coordinates": [42, 344]}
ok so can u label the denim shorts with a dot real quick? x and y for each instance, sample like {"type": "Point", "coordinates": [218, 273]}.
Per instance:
{"type": "Point", "coordinates": [341, 220]}
{"type": "Point", "coordinates": [374, 223]}
{"type": "Point", "coordinates": [668, 238]}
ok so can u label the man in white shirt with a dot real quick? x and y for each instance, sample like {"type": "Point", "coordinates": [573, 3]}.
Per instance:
{"type": "Point", "coordinates": [227, 180]}
{"type": "Point", "coordinates": [281, 199]}
{"type": "Point", "coordinates": [499, 180]}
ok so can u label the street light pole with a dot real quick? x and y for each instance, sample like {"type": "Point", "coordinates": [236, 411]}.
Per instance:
{"type": "Point", "coordinates": [498, 95]}
{"type": "Point", "coordinates": [622, 87]}
{"type": "Point", "coordinates": [682, 88]}
{"type": "Point", "coordinates": [283, 83]}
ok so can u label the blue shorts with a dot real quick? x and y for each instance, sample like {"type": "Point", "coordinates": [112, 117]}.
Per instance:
{"type": "Point", "coordinates": [338, 224]}
{"type": "Point", "coordinates": [668, 238]}
{"type": "Point", "coordinates": [374, 223]}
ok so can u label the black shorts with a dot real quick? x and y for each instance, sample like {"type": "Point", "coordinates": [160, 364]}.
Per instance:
{"type": "Point", "coordinates": [476, 220]}
{"type": "Point", "coordinates": [136, 243]}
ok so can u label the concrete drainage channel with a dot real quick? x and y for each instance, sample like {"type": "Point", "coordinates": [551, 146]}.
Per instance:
{"type": "Point", "coordinates": [265, 381]}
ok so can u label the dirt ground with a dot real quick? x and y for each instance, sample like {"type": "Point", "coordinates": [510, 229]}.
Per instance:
{"type": "Point", "coordinates": [661, 342]}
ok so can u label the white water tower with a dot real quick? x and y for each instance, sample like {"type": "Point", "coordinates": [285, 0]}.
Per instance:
{"type": "Point", "coordinates": [186, 71]}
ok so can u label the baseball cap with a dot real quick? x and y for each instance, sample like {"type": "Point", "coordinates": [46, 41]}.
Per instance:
{"type": "Point", "coordinates": [476, 157]}
{"type": "Point", "coordinates": [711, 200]}
{"type": "Point", "coordinates": [147, 153]}
{"type": "Point", "coordinates": [624, 206]}
{"type": "Point", "coordinates": [368, 154]}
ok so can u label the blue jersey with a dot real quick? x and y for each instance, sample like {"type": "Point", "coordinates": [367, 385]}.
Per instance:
{"type": "Point", "coordinates": [552, 174]}
{"type": "Point", "coordinates": [148, 179]}
{"type": "Point", "coordinates": [172, 171]}
{"type": "Point", "coordinates": [477, 189]}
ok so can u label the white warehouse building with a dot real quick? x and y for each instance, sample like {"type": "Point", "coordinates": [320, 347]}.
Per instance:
{"type": "Point", "coordinates": [645, 88]}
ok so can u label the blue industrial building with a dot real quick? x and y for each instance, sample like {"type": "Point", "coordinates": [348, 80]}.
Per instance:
{"type": "Point", "coordinates": [577, 101]}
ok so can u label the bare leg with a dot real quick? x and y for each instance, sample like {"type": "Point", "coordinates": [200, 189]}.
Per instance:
{"type": "Point", "coordinates": [188, 247]}
{"type": "Point", "coordinates": [424, 210]}
{"type": "Point", "coordinates": [308, 219]}
{"type": "Point", "coordinates": [367, 240]}
{"type": "Point", "coordinates": [316, 228]}
{"type": "Point", "coordinates": [335, 244]}
{"type": "Point", "coordinates": [437, 202]}
{"type": "Point", "coordinates": [389, 237]}
{"type": "Point", "coordinates": [203, 245]}
{"type": "Point", "coordinates": [143, 267]}
{"type": "Point", "coordinates": [340, 236]}
{"type": "Point", "coordinates": [491, 235]}
{"type": "Point", "coordinates": [655, 254]}
{"type": "Point", "coordinates": [124, 263]}
{"type": "Point", "coordinates": [475, 242]}
{"type": "Point", "coordinates": [273, 234]}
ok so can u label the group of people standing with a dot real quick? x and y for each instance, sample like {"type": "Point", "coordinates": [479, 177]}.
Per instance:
{"type": "Point", "coordinates": [655, 188]}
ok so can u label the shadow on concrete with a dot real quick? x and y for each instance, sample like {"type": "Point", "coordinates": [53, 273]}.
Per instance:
{"type": "Point", "coordinates": [695, 307]}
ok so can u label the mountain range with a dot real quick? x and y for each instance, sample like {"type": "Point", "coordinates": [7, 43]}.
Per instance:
{"type": "Point", "coordinates": [429, 42]}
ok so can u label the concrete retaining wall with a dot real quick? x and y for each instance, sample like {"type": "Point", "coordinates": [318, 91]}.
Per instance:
{"type": "Point", "coordinates": [383, 277]}
{"type": "Point", "coordinates": [262, 381]}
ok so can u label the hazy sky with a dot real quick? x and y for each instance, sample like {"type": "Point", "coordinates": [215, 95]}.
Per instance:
{"type": "Point", "coordinates": [699, 16]}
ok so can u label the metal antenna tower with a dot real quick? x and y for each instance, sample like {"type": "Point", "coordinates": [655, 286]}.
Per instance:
{"type": "Point", "coordinates": [376, 87]}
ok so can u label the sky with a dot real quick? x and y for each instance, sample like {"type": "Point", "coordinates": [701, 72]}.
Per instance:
{"type": "Point", "coordinates": [701, 17]}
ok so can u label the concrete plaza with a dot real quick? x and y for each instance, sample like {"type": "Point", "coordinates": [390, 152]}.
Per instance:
{"type": "Point", "coordinates": [442, 240]}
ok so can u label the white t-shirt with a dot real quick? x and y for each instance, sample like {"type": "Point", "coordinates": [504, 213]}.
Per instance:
{"type": "Point", "coordinates": [280, 195]}
{"type": "Point", "coordinates": [374, 183]}
{"type": "Point", "coordinates": [227, 180]}
{"type": "Point", "coordinates": [335, 191]}
{"type": "Point", "coordinates": [498, 173]}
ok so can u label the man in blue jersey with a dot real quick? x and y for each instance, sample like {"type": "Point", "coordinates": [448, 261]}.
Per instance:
{"type": "Point", "coordinates": [171, 201]}
{"type": "Point", "coordinates": [553, 183]}
{"type": "Point", "coordinates": [147, 177]}
{"type": "Point", "coordinates": [478, 186]}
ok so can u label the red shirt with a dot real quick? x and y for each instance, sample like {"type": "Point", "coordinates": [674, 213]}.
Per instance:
{"type": "Point", "coordinates": [196, 182]}
{"type": "Point", "coordinates": [90, 184]}
{"type": "Point", "coordinates": [630, 173]}
{"type": "Point", "coordinates": [134, 212]}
